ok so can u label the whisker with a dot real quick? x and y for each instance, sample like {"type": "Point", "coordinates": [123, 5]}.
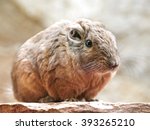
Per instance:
{"type": "Point", "coordinates": [91, 66]}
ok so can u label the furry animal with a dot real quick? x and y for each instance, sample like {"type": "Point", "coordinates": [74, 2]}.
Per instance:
{"type": "Point", "coordinates": [68, 60]}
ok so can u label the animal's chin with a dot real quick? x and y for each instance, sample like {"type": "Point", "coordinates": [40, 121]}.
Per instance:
{"type": "Point", "coordinates": [105, 70]}
{"type": "Point", "coordinates": [108, 70]}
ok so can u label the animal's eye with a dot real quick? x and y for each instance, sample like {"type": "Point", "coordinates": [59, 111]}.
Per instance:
{"type": "Point", "coordinates": [88, 43]}
{"type": "Point", "coordinates": [74, 34]}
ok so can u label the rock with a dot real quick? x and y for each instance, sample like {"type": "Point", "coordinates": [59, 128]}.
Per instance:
{"type": "Point", "coordinates": [75, 107]}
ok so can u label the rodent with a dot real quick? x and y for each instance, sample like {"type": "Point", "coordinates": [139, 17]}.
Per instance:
{"type": "Point", "coordinates": [68, 60]}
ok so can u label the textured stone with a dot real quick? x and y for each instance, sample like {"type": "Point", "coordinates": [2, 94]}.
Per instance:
{"type": "Point", "coordinates": [77, 107]}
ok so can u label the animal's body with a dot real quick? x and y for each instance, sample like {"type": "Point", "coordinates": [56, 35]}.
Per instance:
{"type": "Point", "coordinates": [70, 59]}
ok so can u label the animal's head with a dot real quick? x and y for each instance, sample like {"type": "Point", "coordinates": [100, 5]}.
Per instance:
{"type": "Point", "coordinates": [93, 46]}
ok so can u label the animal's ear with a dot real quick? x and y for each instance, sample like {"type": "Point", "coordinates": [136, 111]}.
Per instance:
{"type": "Point", "coordinates": [74, 35]}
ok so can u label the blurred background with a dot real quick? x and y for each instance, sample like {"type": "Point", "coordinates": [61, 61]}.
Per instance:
{"type": "Point", "coordinates": [129, 20]}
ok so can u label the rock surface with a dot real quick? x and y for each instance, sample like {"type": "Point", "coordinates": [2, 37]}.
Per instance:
{"type": "Point", "coordinates": [77, 107]}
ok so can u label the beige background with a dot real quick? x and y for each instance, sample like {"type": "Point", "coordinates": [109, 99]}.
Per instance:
{"type": "Point", "coordinates": [129, 20]}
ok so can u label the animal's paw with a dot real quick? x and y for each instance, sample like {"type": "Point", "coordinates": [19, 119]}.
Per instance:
{"type": "Point", "coordinates": [47, 99]}
{"type": "Point", "coordinates": [72, 100]}
{"type": "Point", "coordinates": [91, 100]}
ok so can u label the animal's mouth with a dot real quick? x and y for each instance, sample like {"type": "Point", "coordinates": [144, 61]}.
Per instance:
{"type": "Point", "coordinates": [101, 66]}
{"type": "Point", "coordinates": [110, 67]}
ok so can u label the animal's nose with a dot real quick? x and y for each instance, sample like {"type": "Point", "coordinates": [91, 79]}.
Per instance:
{"type": "Point", "coordinates": [113, 64]}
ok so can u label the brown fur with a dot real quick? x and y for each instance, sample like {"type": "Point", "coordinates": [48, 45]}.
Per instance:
{"type": "Point", "coordinates": [58, 64]}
